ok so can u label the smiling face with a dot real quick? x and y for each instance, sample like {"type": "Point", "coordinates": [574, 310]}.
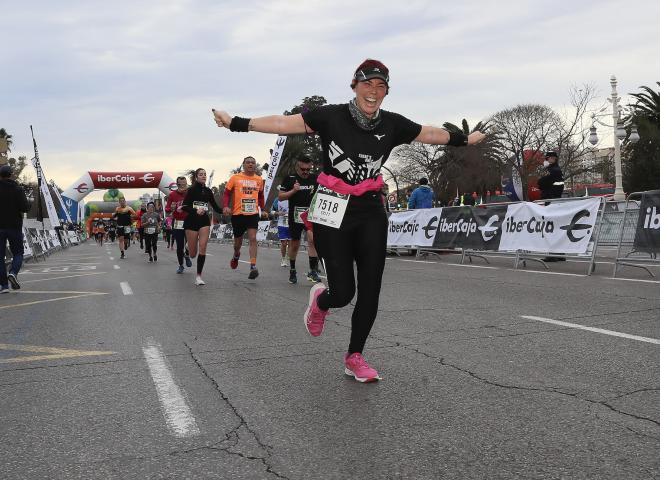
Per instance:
{"type": "Point", "coordinates": [181, 184]}
{"type": "Point", "coordinates": [369, 95]}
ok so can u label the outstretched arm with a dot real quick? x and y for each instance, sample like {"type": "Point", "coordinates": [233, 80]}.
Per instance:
{"type": "Point", "coordinates": [440, 136]}
{"type": "Point", "coordinates": [280, 124]}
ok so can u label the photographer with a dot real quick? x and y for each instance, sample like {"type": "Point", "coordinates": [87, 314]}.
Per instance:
{"type": "Point", "coordinates": [13, 203]}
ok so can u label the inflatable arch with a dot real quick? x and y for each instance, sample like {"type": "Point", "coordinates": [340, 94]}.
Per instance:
{"type": "Point", "coordinates": [91, 181]}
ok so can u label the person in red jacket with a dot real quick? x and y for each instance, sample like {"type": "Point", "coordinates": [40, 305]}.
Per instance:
{"type": "Point", "coordinates": [174, 208]}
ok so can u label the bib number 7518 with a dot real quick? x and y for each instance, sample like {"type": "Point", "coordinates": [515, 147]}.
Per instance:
{"type": "Point", "coordinates": [328, 207]}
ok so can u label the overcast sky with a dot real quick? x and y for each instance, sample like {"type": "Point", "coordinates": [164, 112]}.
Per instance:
{"type": "Point", "coordinates": [128, 85]}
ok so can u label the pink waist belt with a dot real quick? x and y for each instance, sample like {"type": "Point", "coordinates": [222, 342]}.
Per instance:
{"type": "Point", "coordinates": [339, 186]}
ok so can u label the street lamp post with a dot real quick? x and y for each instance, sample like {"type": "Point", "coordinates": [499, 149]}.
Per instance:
{"type": "Point", "coordinates": [619, 135]}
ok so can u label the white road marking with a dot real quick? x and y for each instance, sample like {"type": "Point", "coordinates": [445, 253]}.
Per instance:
{"type": "Point", "coordinates": [413, 261]}
{"type": "Point", "coordinates": [126, 288]}
{"type": "Point", "coordinates": [634, 280]}
{"type": "Point", "coordinates": [547, 273]}
{"type": "Point", "coordinates": [178, 416]}
{"type": "Point", "coordinates": [116, 267]}
{"type": "Point", "coordinates": [112, 258]}
{"type": "Point", "coordinates": [593, 329]}
{"type": "Point", "coordinates": [244, 261]}
{"type": "Point", "coordinates": [471, 266]}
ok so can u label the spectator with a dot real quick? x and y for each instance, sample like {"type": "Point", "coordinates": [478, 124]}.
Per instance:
{"type": "Point", "coordinates": [468, 199]}
{"type": "Point", "coordinates": [13, 204]}
{"type": "Point", "coordinates": [422, 196]}
{"type": "Point", "coordinates": [551, 184]}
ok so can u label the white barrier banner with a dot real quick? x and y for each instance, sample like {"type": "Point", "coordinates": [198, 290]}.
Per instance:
{"type": "Point", "coordinates": [27, 249]}
{"type": "Point", "coordinates": [262, 230]}
{"type": "Point", "coordinates": [564, 227]}
{"type": "Point", "coordinates": [413, 227]}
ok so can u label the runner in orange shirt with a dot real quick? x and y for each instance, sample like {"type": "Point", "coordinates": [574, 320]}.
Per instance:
{"type": "Point", "coordinates": [243, 198]}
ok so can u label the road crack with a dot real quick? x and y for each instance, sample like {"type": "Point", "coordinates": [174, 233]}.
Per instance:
{"type": "Point", "coordinates": [603, 403]}
{"type": "Point", "coordinates": [233, 437]}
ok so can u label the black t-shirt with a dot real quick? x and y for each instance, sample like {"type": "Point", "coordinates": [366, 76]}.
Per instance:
{"type": "Point", "coordinates": [354, 154]}
{"type": "Point", "coordinates": [303, 197]}
{"type": "Point", "coordinates": [124, 218]}
{"type": "Point", "coordinates": [300, 200]}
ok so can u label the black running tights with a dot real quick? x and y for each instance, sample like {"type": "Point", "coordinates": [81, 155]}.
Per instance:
{"type": "Point", "coordinates": [150, 241]}
{"type": "Point", "coordinates": [362, 240]}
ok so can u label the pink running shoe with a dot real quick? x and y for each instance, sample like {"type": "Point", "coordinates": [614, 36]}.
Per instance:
{"type": "Point", "coordinates": [357, 367]}
{"type": "Point", "coordinates": [315, 317]}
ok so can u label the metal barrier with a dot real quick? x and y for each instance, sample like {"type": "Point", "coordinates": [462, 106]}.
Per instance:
{"type": "Point", "coordinates": [626, 253]}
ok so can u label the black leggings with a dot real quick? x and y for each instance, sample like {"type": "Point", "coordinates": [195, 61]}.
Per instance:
{"type": "Point", "coordinates": [179, 235]}
{"type": "Point", "coordinates": [151, 240]}
{"type": "Point", "coordinates": [362, 239]}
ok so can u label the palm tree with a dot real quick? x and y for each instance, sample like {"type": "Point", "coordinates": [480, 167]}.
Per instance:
{"type": "Point", "coordinates": [648, 104]}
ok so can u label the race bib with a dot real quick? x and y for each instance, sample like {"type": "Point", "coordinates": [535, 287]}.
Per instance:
{"type": "Point", "coordinates": [328, 207]}
{"type": "Point", "coordinates": [178, 224]}
{"type": "Point", "coordinates": [203, 205]}
{"type": "Point", "coordinates": [248, 206]}
{"type": "Point", "coordinates": [296, 214]}
{"type": "Point", "coordinates": [150, 230]}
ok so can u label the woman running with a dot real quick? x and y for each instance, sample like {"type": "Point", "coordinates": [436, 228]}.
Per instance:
{"type": "Point", "coordinates": [357, 138]}
{"type": "Point", "coordinates": [197, 224]}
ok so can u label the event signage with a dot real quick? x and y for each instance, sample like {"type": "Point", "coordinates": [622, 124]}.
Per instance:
{"type": "Point", "coordinates": [126, 179]}
{"type": "Point", "coordinates": [565, 227]}
{"type": "Point", "coordinates": [470, 227]}
{"type": "Point", "coordinates": [413, 227]}
{"type": "Point", "coordinates": [647, 235]}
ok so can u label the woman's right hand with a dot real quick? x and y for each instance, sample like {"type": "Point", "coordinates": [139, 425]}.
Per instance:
{"type": "Point", "coordinates": [201, 211]}
{"type": "Point", "coordinates": [222, 118]}
{"type": "Point", "coordinates": [226, 211]}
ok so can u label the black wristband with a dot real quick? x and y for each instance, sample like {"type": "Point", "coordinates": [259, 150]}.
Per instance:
{"type": "Point", "coordinates": [457, 139]}
{"type": "Point", "coordinates": [239, 124]}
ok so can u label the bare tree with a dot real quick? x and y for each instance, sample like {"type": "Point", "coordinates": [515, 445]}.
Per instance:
{"type": "Point", "coordinates": [411, 162]}
{"type": "Point", "coordinates": [521, 130]}
{"type": "Point", "coordinates": [572, 146]}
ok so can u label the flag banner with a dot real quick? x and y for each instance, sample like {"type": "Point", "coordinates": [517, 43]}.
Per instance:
{"type": "Point", "coordinates": [470, 227]}
{"type": "Point", "coordinates": [562, 227]}
{"type": "Point", "coordinates": [274, 164]}
{"type": "Point", "coordinates": [63, 207]}
{"type": "Point", "coordinates": [70, 208]}
{"type": "Point", "coordinates": [647, 235]}
{"type": "Point", "coordinates": [45, 194]}
{"type": "Point", "coordinates": [413, 227]}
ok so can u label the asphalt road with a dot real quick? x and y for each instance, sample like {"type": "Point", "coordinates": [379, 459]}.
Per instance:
{"type": "Point", "coordinates": [122, 369]}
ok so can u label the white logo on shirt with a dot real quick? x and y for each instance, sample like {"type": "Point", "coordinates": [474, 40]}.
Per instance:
{"type": "Point", "coordinates": [378, 137]}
